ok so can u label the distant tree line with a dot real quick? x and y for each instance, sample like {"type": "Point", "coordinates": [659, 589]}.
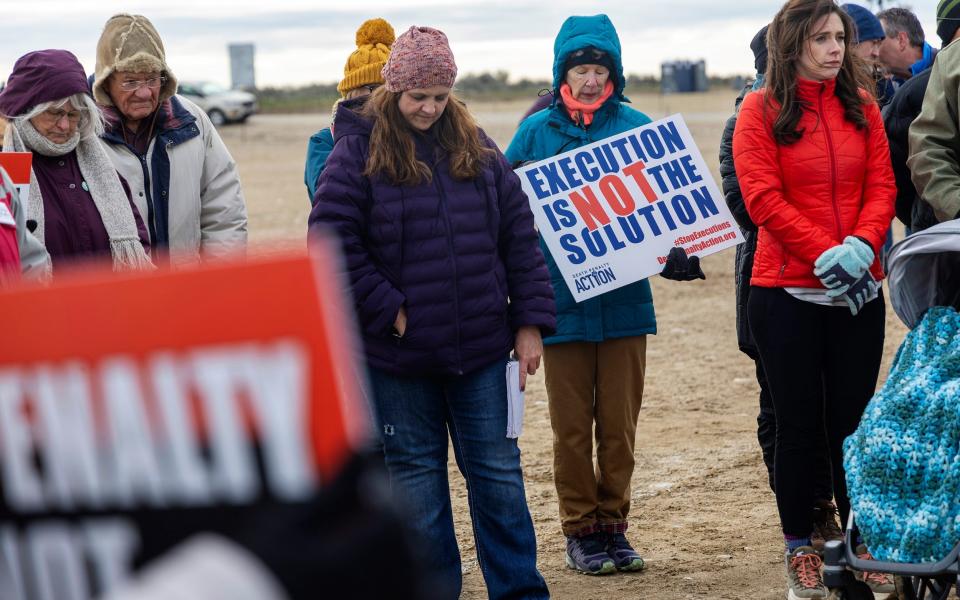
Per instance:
{"type": "Point", "coordinates": [486, 86]}
{"type": "Point", "coordinates": [317, 97]}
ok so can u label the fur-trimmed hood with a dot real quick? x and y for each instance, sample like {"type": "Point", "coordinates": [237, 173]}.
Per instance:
{"type": "Point", "coordinates": [130, 43]}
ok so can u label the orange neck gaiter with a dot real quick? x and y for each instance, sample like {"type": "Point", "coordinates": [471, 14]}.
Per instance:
{"type": "Point", "coordinates": [576, 108]}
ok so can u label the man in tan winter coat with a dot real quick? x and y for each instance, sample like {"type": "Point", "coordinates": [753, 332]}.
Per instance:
{"type": "Point", "coordinates": [934, 159]}
{"type": "Point", "coordinates": [183, 179]}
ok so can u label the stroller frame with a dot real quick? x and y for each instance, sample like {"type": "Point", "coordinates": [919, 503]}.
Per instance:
{"type": "Point", "coordinates": [915, 581]}
{"type": "Point", "coordinates": [923, 271]}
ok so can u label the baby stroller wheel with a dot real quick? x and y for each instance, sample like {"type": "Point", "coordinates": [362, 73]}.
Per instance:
{"type": "Point", "coordinates": [906, 590]}
{"type": "Point", "coordinates": [856, 590]}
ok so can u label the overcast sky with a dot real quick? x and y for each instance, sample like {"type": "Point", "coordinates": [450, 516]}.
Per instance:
{"type": "Point", "coordinates": [305, 41]}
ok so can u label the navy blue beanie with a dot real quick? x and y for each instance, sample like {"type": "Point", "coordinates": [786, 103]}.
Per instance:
{"type": "Point", "coordinates": [759, 46]}
{"type": "Point", "coordinates": [867, 25]}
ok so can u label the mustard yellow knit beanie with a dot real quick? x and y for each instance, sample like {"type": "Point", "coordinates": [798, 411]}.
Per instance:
{"type": "Point", "coordinates": [363, 67]}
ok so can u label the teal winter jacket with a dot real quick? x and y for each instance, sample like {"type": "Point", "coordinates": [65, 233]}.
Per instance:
{"type": "Point", "coordinates": [318, 149]}
{"type": "Point", "coordinates": [625, 311]}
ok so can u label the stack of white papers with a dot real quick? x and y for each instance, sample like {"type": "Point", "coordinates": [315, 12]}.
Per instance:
{"type": "Point", "coordinates": [514, 400]}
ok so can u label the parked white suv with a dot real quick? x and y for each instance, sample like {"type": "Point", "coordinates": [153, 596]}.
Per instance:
{"type": "Point", "coordinates": [222, 105]}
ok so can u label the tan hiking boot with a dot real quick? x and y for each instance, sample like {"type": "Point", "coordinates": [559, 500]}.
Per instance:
{"type": "Point", "coordinates": [881, 584]}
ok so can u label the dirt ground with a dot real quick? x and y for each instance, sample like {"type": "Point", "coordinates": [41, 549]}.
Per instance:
{"type": "Point", "coordinates": [702, 515]}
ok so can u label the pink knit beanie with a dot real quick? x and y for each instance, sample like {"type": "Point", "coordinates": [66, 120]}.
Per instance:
{"type": "Point", "coordinates": [420, 58]}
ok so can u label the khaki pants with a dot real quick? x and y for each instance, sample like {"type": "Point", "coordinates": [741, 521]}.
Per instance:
{"type": "Point", "coordinates": [587, 383]}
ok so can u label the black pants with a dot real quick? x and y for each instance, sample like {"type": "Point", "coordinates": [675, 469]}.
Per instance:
{"type": "Point", "coordinates": [821, 365]}
{"type": "Point", "coordinates": [767, 436]}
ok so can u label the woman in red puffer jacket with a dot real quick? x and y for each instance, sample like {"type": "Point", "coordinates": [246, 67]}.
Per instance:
{"type": "Point", "coordinates": [812, 159]}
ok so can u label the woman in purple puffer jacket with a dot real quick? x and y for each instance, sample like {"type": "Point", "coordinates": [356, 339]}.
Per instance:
{"type": "Point", "coordinates": [447, 278]}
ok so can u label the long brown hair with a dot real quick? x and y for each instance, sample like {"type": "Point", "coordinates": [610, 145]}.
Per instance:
{"type": "Point", "coordinates": [787, 39]}
{"type": "Point", "coordinates": [392, 150]}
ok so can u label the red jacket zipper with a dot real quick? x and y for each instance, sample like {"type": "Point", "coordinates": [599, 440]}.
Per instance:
{"type": "Point", "coordinates": [833, 164]}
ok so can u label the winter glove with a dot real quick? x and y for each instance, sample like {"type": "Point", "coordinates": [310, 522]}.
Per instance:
{"type": "Point", "coordinates": [679, 267]}
{"type": "Point", "coordinates": [842, 266]}
{"type": "Point", "coordinates": [857, 294]}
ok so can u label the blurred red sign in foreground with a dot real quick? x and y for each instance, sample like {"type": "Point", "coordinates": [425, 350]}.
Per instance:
{"type": "Point", "coordinates": [137, 409]}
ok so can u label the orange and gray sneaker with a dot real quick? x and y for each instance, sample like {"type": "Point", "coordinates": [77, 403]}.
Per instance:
{"type": "Point", "coordinates": [804, 577]}
{"type": "Point", "coordinates": [881, 584]}
{"type": "Point", "coordinates": [825, 527]}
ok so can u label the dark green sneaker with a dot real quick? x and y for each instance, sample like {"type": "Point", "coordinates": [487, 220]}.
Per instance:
{"type": "Point", "coordinates": [588, 554]}
{"type": "Point", "coordinates": [624, 557]}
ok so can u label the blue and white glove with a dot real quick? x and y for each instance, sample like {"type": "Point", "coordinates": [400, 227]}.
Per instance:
{"type": "Point", "coordinates": [842, 266]}
{"type": "Point", "coordinates": [857, 294]}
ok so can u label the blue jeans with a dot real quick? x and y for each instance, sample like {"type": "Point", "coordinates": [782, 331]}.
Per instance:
{"type": "Point", "coordinates": [415, 415]}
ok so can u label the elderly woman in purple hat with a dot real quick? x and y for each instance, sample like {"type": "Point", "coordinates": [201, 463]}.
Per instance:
{"type": "Point", "coordinates": [78, 206]}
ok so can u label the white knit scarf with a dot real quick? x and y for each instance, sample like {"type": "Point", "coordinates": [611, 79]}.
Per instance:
{"type": "Point", "coordinates": [103, 183]}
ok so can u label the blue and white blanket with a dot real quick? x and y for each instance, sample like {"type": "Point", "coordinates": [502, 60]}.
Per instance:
{"type": "Point", "coordinates": [903, 461]}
